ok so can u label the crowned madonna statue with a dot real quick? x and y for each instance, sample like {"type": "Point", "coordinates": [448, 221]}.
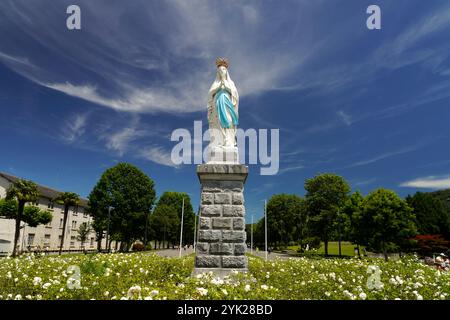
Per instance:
{"type": "Point", "coordinates": [223, 104]}
{"type": "Point", "coordinates": [220, 246]}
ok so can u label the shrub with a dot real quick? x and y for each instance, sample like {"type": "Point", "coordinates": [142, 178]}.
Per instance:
{"type": "Point", "coordinates": [427, 244]}
{"type": "Point", "coordinates": [137, 247]}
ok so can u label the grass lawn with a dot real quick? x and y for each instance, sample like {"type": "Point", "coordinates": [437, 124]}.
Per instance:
{"type": "Point", "coordinates": [348, 249]}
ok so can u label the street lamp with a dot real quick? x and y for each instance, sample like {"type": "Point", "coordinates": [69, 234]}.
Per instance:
{"type": "Point", "coordinates": [265, 223]}
{"type": "Point", "coordinates": [195, 227]}
{"type": "Point", "coordinates": [181, 231]}
{"type": "Point", "coordinates": [251, 237]}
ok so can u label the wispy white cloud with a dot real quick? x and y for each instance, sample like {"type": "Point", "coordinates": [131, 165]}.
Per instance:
{"type": "Point", "coordinates": [157, 154]}
{"type": "Point", "coordinates": [128, 72]}
{"type": "Point", "coordinates": [288, 169]}
{"type": "Point", "coordinates": [382, 157]}
{"type": "Point", "coordinates": [120, 140]}
{"type": "Point", "coordinates": [74, 128]}
{"type": "Point", "coordinates": [430, 182]}
{"type": "Point", "coordinates": [346, 118]}
{"type": "Point", "coordinates": [361, 183]}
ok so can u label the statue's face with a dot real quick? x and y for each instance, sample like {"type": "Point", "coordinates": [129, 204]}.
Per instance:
{"type": "Point", "coordinates": [222, 72]}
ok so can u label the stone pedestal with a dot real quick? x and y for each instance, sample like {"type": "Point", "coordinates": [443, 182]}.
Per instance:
{"type": "Point", "coordinates": [221, 231]}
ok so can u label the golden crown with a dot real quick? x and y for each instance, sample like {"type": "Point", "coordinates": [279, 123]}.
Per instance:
{"type": "Point", "coordinates": [222, 62]}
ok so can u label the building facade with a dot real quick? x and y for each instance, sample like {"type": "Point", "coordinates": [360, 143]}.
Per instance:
{"type": "Point", "coordinates": [46, 237]}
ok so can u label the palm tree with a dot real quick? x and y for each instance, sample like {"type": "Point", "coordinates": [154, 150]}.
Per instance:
{"type": "Point", "coordinates": [23, 191]}
{"type": "Point", "coordinates": [68, 199]}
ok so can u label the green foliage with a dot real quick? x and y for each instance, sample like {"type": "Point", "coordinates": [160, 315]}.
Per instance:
{"type": "Point", "coordinates": [286, 219]}
{"type": "Point", "coordinates": [23, 191]}
{"type": "Point", "coordinates": [386, 221]}
{"type": "Point", "coordinates": [92, 266]}
{"type": "Point", "coordinates": [67, 199]}
{"type": "Point", "coordinates": [8, 208]}
{"type": "Point", "coordinates": [325, 195]}
{"type": "Point", "coordinates": [131, 193]}
{"type": "Point", "coordinates": [174, 200]}
{"type": "Point", "coordinates": [83, 232]}
{"type": "Point", "coordinates": [431, 214]}
{"type": "Point", "coordinates": [350, 217]}
{"type": "Point", "coordinates": [32, 215]}
{"type": "Point", "coordinates": [143, 276]}
{"type": "Point", "coordinates": [165, 223]}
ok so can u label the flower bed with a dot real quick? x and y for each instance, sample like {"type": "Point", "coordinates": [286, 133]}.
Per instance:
{"type": "Point", "coordinates": [143, 276]}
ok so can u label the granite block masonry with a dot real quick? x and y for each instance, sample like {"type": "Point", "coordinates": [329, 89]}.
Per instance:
{"type": "Point", "coordinates": [221, 230]}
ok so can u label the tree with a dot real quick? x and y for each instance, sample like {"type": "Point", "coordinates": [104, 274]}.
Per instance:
{"type": "Point", "coordinates": [386, 221]}
{"type": "Point", "coordinates": [67, 199]}
{"type": "Point", "coordinates": [326, 193]}
{"type": "Point", "coordinates": [350, 219]}
{"type": "Point", "coordinates": [32, 215]}
{"type": "Point", "coordinates": [171, 203]}
{"type": "Point", "coordinates": [83, 233]}
{"type": "Point", "coordinates": [431, 214]}
{"type": "Point", "coordinates": [23, 191]}
{"type": "Point", "coordinates": [286, 219]}
{"type": "Point", "coordinates": [131, 193]}
{"type": "Point", "coordinates": [165, 224]}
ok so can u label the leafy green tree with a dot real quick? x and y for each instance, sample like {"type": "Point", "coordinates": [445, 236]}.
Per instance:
{"type": "Point", "coordinates": [131, 193]}
{"type": "Point", "coordinates": [349, 218]}
{"type": "Point", "coordinates": [386, 221]}
{"type": "Point", "coordinates": [67, 199]}
{"type": "Point", "coordinates": [286, 219]}
{"type": "Point", "coordinates": [22, 191]}
{"type": "Point", "coordinates": [165, 223]}
{"type": "Point", "coordinates": [83, 233]}
{"type": "Point", "coordinates": [431, 214]}
{"type": "Point", "coordinates": [172, 202]}
{"type": "Point", "coordinates": [326, 194]}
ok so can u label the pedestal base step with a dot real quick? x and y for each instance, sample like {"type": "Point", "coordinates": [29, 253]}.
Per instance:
{"type": "Point", "coordinates": [218, 272]}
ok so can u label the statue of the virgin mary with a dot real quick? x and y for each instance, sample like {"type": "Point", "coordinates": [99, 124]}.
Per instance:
{"type": "Point", "coordinates": [223, 104]}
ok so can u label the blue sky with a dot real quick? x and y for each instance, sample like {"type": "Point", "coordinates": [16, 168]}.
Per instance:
{"type": "Point", "coordinates": [372, 106]}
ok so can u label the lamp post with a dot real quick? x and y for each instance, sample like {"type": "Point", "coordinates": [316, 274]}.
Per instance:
{"type": "Point", "coordinates": [195, 228]}
{"type": "Point", "coordinates": [107, 231]}
{"type": "Point", "coordinates": [265, 223]}
{"type": "Point", "coordinates": [251, 237]}
{"type": "Point", "coordinates": [181, 231]}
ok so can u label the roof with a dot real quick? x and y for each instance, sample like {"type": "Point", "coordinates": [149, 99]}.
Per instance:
{"type": "Point", "coordinates": [45, 192]}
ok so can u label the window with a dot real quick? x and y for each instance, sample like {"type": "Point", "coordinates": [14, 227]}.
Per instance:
{"type": "Point", "coordinates": [72, 241]}
{"type": "Point", "coordinates": [75, 211]}
{"type": "Point", "coordinates": [74, 224]}
{"type": "Point", "coordinates": [47, 240]}
{"type": "Point", "coordinates": [92, 241]}
{"type": "Point", "coordinates": [50, 205]}
{"type": "Point", "coordinates": [61, 222]}
{"type": "Point", "coordinates": [30, 239]}
{"type": "Point", "coordinates": [36, 203]}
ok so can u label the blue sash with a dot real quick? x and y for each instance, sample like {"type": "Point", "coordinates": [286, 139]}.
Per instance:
{"type": "Point", "coordinates": [224, 104]}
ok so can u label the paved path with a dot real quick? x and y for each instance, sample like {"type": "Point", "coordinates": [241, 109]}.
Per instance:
{"type": "Point", "coordinates": [270, 256]}
{"type": "Point", "coordinates": [172, 253]}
